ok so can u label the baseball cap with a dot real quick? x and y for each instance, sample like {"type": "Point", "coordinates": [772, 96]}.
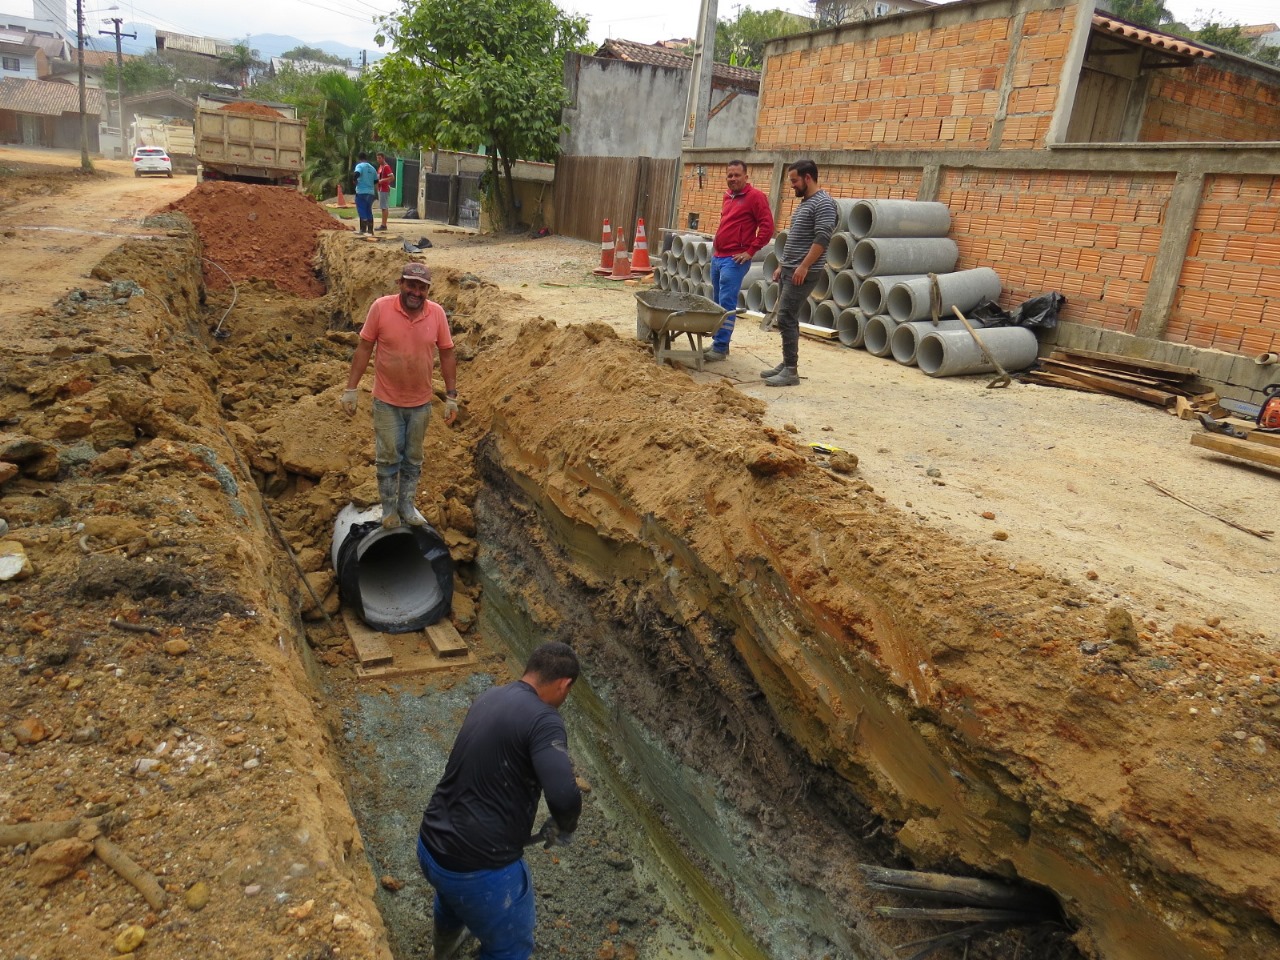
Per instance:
{"type": "Point", "coordinates": [416, 271]}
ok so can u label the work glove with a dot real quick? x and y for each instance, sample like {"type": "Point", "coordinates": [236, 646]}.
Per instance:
{"type": "Point", "coordinates": [349, 401]}
{"type": "Point", "coordinates": [450, 409]}
{"type": "Point", "coordinates": [552, 836]}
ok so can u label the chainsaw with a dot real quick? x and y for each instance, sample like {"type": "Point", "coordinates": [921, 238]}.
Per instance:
{"type": "Point", "coordinates": [1269, 412]}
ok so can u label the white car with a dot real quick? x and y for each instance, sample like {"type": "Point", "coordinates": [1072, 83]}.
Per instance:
{"type": "Point", "coordinates": [152, 160]}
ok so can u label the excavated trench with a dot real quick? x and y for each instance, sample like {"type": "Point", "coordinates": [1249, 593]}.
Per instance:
{"type": "Point", "coordinates": [782, 679]}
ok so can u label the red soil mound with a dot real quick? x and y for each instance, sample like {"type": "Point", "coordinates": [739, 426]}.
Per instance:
{"type": "Point", "coordinates": [255, 109]}
{"type": "Point", "coordinates": [258, 233]}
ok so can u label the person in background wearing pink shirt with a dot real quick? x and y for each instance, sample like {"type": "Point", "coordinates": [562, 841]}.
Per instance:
{"type": "Point", "coordinates": [408, 330]}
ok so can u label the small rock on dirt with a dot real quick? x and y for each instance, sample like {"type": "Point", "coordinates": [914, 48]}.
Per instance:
{"type": "Point", "coordinates": [988, 515]}
{"type": "Point", "coordinates": [1120, 627]}
{"type": "Point", "coordinates": [197, 896]}
{"type": "Point", "coordinates": [767, 461]}
{"type": "Point", "coordinates": [844, 462]}
{"type": "Point", "coordinates": [176, 647]}
{"type": "Point", "coordinates": [390, 883]}
{"type": "Point", "coordinates": [130, 939]}
{"type": "Point", "coordinates": [14, 562]}
{"type": "Point", "coordinates": [1000, 535]}
{"type": "Point", "coordinates": [29, 730]}
{"type": "Point", "coordinates": [57, 859]}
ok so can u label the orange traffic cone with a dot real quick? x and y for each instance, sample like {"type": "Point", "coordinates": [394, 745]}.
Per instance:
{"type": "Point", "coordinates": [342, 201]}
{"type": "Point", "coordinates": [640, 253]}
{"type": "Point", "coordinates": [606, 251]}
{"type": "Point", "coordinates": [621, 260]}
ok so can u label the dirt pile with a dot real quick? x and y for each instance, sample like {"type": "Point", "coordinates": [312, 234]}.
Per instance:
{"type": "Point", "coordinates": [258, 233]}
{"type": "Point", "coordinates": [252, 109]}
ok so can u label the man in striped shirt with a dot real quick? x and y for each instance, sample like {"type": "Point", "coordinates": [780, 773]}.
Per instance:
{"type": "Point", "coordinates": [800, 265]}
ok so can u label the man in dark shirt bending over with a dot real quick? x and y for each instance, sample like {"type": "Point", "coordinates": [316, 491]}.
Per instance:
{"type": "Point", "coordinates": [511, 749]}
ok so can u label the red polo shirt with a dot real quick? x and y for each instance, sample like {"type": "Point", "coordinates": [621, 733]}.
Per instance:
{"type": "Point", "coordinates": [406, 349]}
{"type": "Point", "coordinates": [746, 223]}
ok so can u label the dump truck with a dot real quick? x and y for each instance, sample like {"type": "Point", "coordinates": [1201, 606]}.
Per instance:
{"type": "Point", "coordinates": [249, 141]}
{"type": "Point", "coordinates": [175, 136]}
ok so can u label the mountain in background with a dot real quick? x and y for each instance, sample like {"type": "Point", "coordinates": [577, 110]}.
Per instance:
{"type": "Point", "coordinates": [268, 45]}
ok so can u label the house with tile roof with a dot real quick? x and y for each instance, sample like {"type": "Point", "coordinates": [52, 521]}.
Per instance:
{"type": "Point", "coordinates": [43, 113]}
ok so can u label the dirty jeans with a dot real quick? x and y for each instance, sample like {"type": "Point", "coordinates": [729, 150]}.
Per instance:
{"type": "Point", "coordinates": [726, 281]}
{"type": "Point", "coordinates": [495, 905]}
{"type": "Point", "coordinates": [398, 434]}
{"type": "Point", "coordinates": [364, 206]}
{"type": "Point", "coordinates": [789, 300]}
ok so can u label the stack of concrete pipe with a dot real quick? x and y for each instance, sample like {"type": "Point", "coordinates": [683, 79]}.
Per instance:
{"type": "Point", "coordinates": [686, 265]}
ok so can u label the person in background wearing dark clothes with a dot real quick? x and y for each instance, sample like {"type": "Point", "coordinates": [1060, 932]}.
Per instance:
{"type": "Point", "coordinates": [512, 748]}
{"type": "Point", "coordinates": [746, 224]}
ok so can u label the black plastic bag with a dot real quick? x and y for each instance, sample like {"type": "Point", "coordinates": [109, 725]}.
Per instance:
{"type": "Point", "coordinates": [1041, 311]}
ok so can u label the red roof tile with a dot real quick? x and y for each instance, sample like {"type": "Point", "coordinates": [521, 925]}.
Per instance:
{"type": "Point", "coordinates": [48, 99]}
{"type": "Point", "coordinates": [1150, 38]}
{"type": "Point", "coordinates": [741, 77]}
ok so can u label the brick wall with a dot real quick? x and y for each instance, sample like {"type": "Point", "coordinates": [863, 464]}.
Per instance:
{"type": "Point", "coordinates": [1229, 291]}
{"type": "Point", "coordinates": [936, 87]}
{"type": "Point", "coordinates": [1208, 103]}
{"type": "Point", "coordinates": [859, 183]}
{"type": "Point", "coordinates": [707, 199]}
{"type": "Point", "coordinates": [1092, 237]}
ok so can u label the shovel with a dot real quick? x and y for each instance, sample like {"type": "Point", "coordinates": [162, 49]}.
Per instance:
{"type": "Point", "coordinates": [1004, 379]}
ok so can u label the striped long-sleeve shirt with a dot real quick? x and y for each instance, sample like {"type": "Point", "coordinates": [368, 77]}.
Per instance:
{"type": "Point", "coordinates": [814, 222]}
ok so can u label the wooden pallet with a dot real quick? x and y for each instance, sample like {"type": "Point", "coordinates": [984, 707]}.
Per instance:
{"type": "Point", "coordinates": [383, 656]}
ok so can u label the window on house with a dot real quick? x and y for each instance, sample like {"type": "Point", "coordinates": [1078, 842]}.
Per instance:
{"type": "Point", "coordinates": [883, 10]}
{"type": "Point", "coordinates": [12, 63]}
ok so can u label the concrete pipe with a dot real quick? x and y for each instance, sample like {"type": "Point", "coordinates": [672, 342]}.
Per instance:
{"type": "Point", "coordinates": [1266, 359]}
{"type": "Point", "coordinates": [881, 257]}
{"type": "Point", "coordinates": [763, 252]}
{"type": "Point", "coordinates": [844, 288]}
{"type": "Point", "coordinates": [822, 289]}
{"type": "Point", "coordinates": [965, 289]}
{"type": "Point", "coordinates": [771, 293]}
{"type": "Point", "coordinates": [840, 250]}
{"type": "Point", "coordinates": [780, 242]}
{"type": "Point", "coordinates": [704, 290]}
{"type": "Point", "coordinates": [742, 299]}
{"type": "Point", "coordinates": [660, 280]}
{"type": "Point", "coordinates": [804, 313]}
{"type": "Point", "coordinates": [677, 246]}
{"type": "Point", "coordinates": [877, 336]}
{"type": "Point", "coordinates": [754, 272]}
{"type": "Point", "coordinates": [899, 218]}
{"type": "Point", "coordinates": [686, 285]}
{"type": "Point", "coordinates": [704, 252]}
{"type": "Point", "coordinates": [905, 341]}
{"type": "Point", "coordinates": [704, 273]}
{"type": "Point", "coordinates": [844, 209]}
{"type": "Point", "coordinates": [873, 292]}
{"type": "Point", "coordinates": [398, 580]}
{"type": "Point", "coordinates": [825, 314]}
{"type": "Point", "coordinates": [754, 293]}
{"type": "Point", "coordinates": [683, 266]}
{"type": "Point", "coordinates": [851, 325]}
{"type": "Point", "coordinates": [770, 265]}
{"type": "Point", "coordinates": [952, 353]}
{"type": "Point", "coordinates": [689, 252]}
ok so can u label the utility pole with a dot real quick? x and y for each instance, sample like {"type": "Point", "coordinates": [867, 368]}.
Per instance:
{"type": "Point", "coordinates": [84, 119]}
{"type": "Point", "coordinates": [119, 72]}
{"type": "Point", "coordinates": [697, 116]}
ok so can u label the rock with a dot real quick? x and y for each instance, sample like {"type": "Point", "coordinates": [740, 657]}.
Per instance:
{"type": "Point", "coordinates": [844, 462]}
{"type": "Point", "coordinates": [197, 896]}
{"type": "Point", "coordinates": [767, 460]}
{"type": "Point", "coordinates": [341, 921]}
{"type": "Point", "coordinates": [116, 529]}
{"type": "Point", "coordinates": [14, 563]}
{"type": "Point", "coordinates": [112, 460]}
{"type": "Point", "coordinates": [464, 611]}
{"type": "Point", "coordinates": [252, 763]}
{"type": "Point", "coordinates": [1120, 627]}
{"type": "Point", "coordinates": [933, 472]}
{"type": "Point", "coordinates": [253, 889]}
{"type": "Point", "coordinates": [29, 730]}
{"type": "Point", "coordinates": [145, 765]}
{"type": "Point", "coordinates": [458, 515]}
{"type": "Point", "coordinates": [311, 559]}
{"type": "Point", "coordinates": [46, 467]}
{"type": "Point", "coordinates": [790, 428]}
{"type": "Point", "coordinates": [20, 448]}
{"type": "Point", "coordinates": [988, 515]}
{"type": "Point", "coordinates": [390, 883]}
{"type": "Point", "coordinates": [321, 582]}
{"type": "Point", "coordinates": [7, 471]}
{"type": "Point", "coordinates": [130, 939]}
{"type": "Point", "coordinates": [176, 647]}
{"type": "Point", "coordinates": [57, 859]}
{"type": "Point", "coordinates": [301, 911]}
{"type": "Point", "coordinates": [462, 548]}
{"type": "Point", "coordinates": [1000, 535]}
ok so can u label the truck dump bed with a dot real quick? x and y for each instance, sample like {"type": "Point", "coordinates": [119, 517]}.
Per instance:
{"type": "Point", "coordinates": [235, 144]}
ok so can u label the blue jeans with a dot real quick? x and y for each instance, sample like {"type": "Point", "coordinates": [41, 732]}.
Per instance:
{"type": "Point", "coordinates": [495, 905]}
{"type": "Point", "coordinates": [398, 434]}
{"type": "Point", "coordinates": [726, 281]}
{"type": "Point", "coordinates": [364, 206]}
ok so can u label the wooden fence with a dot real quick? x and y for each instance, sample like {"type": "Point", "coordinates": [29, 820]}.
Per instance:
{"type": "Point", "coordinates": [620, 189]}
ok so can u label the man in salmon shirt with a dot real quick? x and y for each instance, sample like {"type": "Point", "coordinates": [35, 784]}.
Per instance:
{"type": "Point", "coordinates": [407, 329]}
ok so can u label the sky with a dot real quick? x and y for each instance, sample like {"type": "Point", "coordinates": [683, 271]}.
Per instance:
{"type": "Point", "coordinates": [350, 21]}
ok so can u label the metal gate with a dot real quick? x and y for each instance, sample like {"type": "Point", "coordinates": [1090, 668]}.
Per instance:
{"type": "Point", "coordinates": [436, 205]}
{"type": "Point", "coordinates": [468, 202]}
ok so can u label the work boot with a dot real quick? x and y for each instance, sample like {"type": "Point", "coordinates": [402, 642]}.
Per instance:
{"type": "Point", "coordinates": [387, 490]}
{"type": "Point", "coordinates": [766, 374]}
{"type": "Point", "coordinates": [444, 946]}
{"type": "Point", "coordinates": [787, 377]}
{"type": "Point", "coordinates": [713, 355]}
{"type": "Point", "coordinates": [409, 513]}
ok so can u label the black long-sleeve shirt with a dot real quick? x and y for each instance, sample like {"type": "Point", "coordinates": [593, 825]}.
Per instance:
{"type": "Point", "coordinates": [512, 747]}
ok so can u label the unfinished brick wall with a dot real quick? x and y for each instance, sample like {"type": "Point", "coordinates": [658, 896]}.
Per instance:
{"type": "Point", "coordinates": [707, 200]}
{"type": "Point", "coordinates": [936, 87]}
{"type": "Point", "coordinates": [1208, 103]}
{"type": "Point", "coordinates": [859, 183]}
{"type": "Point", "coordinates": [1229, 291]}
{"type": "Point", "coordinates": [1090, 236]}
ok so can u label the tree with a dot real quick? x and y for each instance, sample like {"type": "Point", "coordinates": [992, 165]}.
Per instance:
{"type": "Point", "coordinates": [1233, 38]}
{"type": "Point", "coordinates": [741, 42]}
{"type": "Point", "coordinates": [314, 54]}
{"type": "Point", "coordinates": [141, 75]}
{"type": "Point", "coordinates": [1145, 13]}
{"type": "Point", "coordinates": [239, 63]}
{"type": "Point", "coordinates": [340, 126]}
{"type": "Point", "coordinates": [468, 73]}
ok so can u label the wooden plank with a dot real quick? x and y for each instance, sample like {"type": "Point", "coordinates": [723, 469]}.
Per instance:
{"type": "Point", "coordinates": [371, 646]}
{"type": "Point", "coordinates": [1146, 394]}
{"type": "Point", "coordinates": [445, 640]}
{"type": "Point", "coordinates": [821, 333]}
{"type": "Point", "coordinates": [1130, 361]}
{"type": "Point", "coordinates": [1258, 453]}
{"type": "Point", "coordinates": [1045, 379]}
{"type": "Point", "coordinates": [412, 655]}
{"type": "Point", "coordinates": [1137, 378]}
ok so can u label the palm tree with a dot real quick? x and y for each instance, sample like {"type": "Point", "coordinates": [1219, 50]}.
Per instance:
{"type": "Point", "coordinates": [341, 126]}
{"type": "Point", "coordinates": [239, 62]}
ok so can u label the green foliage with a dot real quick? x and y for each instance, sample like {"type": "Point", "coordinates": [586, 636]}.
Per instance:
{"type": "Point", "coordinates": [240, 63]}
{"type": "Point", "coordinates": [741, 42]}
{"type": "Point", "coordinates": [339, 127]}
{"type": "Point", "coordinates": [141, 75]}
{"type": "Point", "coordinates": [1232, 37]}
{"type": "Point", "coordinates": [316, 54]}
{"type": "Point", "coordinates": [1145, 13]}
{"type": "Point", "coordinates": [475, 73]}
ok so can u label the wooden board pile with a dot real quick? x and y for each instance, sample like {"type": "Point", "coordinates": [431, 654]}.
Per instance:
{"type": "Point", "coordinates": [1249, 443]}
{"type": "Point", "coordinates": [1176, 388]}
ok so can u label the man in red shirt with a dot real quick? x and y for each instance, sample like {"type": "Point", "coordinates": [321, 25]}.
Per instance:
{"type": "Point", "coordinates": [746, 225]}
{"type": "Point", "coordinates": [386, 179]}
{"type": "Point", "coordinates": [407, 330]}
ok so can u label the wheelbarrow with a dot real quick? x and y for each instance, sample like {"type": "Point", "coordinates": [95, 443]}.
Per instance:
{"type": "Point", "coordinates": [666, 315]}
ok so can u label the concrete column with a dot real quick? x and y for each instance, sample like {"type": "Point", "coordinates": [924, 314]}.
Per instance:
{"type": "Point", "coordinates": [1179, 217]}
{"type": "Point", "coordinates": [1006, 80]}
{"type": "Point", "coordinates": [780, 187]}
{"type": "Point", "coordinates": [1069, 80]}
{"type": "Point", "coordinates": [930, 182]}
